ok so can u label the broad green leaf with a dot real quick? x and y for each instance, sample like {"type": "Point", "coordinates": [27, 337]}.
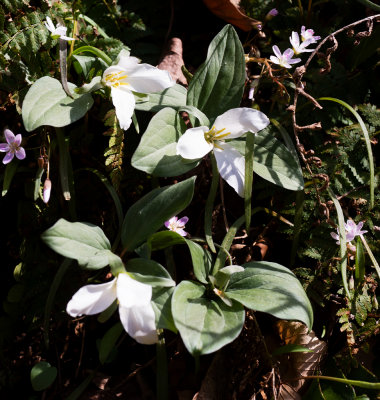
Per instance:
{"type": "Point", "coordinates": [271, 288]}
{"type": "Point", "coordinates": [218, 84]}
{"type": "Point", "coordinates": [42, 375]}
{"type": "Point", "coordinates": [205, 324]}
{"type": "Point", "coordinates": [150, 212]}
{"type": "Point", "coordinates": [163, 239]}
{"type": "Point", "coordinates": [83, 242]}
{"type": "Point", "coordinates": [174, 97]}
{"type": "Point", "coordinates": [273, 161]}
{"type": "Point", "coordinates": [46, 103]}
{"type": "Point", "coordinates": [157, 151]}
{"type": "Point", "coordinates": [201, 259]}
{"type": "Point", "coordinates": [162, 303]}
{"type": "Point", "coordinates": [149, 272]}
{"type": "Point", "coordinates": [108, 342]}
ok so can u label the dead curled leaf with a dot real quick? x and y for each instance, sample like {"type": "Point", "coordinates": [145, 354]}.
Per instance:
{"type": "Point", "coordinates": [294, 366]}
{"type": "Point", "coordinates": [230, 11]}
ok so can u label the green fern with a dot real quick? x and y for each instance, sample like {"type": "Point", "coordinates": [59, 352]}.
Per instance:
{"type": "Point", "coordinates": [114, 153]}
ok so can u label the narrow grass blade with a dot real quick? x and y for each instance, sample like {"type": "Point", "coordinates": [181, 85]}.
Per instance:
{"type": "Point", "coordinates": [93, 50]}
{"type": "Point", "coordinates": [342, 238]}
{"type": "Point", "coordinates": [368, 144]}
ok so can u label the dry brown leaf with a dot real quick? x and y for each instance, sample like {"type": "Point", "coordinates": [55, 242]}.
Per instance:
{"type": "Point", "coordinates": [296, 365]}
{"type": "Point", "coordinates": [172, 60]}
{"type": "Point", "coordinates": [230, 11]}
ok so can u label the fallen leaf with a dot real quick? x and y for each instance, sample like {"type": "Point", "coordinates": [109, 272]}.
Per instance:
{"type": "Point", "coordinates": [294, 366]}
{"type": "Point", "coordinates": [230, 11]}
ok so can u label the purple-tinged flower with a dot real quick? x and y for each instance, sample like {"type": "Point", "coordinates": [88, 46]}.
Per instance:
{"type": "Point", "coordinates": [272, 13]}
{"type": "Point", "coordinates": [176, 225]}
{"type": "Point", "coordinates": [352, 230]}
{"type": "Point", "coordinates": [284, 60]}
{"type": "Point", "coordinates": [12, 147]}
{"type": "Point", "coordinates": [47, 190]}
{"type": "Point", "coordinates": [297, 46]}
{"type": "Point", "coordinates": [308, 34]}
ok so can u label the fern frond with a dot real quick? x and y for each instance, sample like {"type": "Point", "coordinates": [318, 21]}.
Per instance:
{"type": "Point", "coordinates": [114, 153]}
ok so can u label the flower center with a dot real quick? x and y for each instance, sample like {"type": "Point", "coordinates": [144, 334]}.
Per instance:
{"type": "Point", "coordinates": [213, 134]}
{"type": "Point", "coordinates": [116, 79]}
{"type": "Point", "coordinates": [13, 147]}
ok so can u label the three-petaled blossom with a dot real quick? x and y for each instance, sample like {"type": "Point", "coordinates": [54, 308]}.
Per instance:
{"type": "Point", "coordinates": [12, 147]}
{"type": "Point", "coordinates": [58, 32]}
{"type": "Point", "coordinates": [284, 60]}
{"type": "Point", "coordinates": [197, 142]}
{"type": "Point", "coordinates": [297, 46]}
{"type": "Point", "coordinates": [128, 76]}
{"type": "Point", "coordinates": [177, 225]}
{"type": "Point", "coordinates": [308, 34]}
{"type": "Point", "coordinates": [135, 309]}
{"type": "Point", "coordinates": [352, 230]}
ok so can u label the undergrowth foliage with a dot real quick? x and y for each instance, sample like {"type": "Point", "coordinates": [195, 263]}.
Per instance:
{"type": "Point", "coordinates": [245, 196]}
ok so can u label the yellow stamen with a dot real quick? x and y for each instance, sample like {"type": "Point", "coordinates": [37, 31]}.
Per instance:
{"type": "Point", "coordinates": [213, 134]}
{"type": "Point", "coordinates": [116, 79]}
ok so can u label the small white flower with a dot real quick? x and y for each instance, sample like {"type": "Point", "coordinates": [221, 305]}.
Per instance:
{"type": "Point", "coordinates": [135, 309]}
{"type": "Point", "coordinates": [352, 230]}
{"type": "Point", "coordinates": [58, 32]}
{"type": "Point", "coordinates": [297, 46]}
{"type": "Point", "coordinates": [128, 76]}
{"type": "Point", "coordinates": [284, 60]}
{"type": "Point", "coordinates": [197, 142]}
{"type": "Point", "coordinates": [308, 34]}
{"type": "Point", "coordinates": [177, 225]}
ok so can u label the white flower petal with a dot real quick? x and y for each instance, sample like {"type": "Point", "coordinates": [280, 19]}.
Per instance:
{"type": "Point", "coordinates": [277, 51]}
{"type": "Point", "coordinates": [132, 293]}
{"type": "Point", "coordinates": [124, 102]}
{"type": "Point", "coordinates": [148, 79]}
{"type": "Point", "coordinates": [139, 323]}
{"type": "Point", "coordinates": [231, 166]}
{"type": "Point", "coordinates": [92, 299]}
{"type": "Point", "coordinates": [192, 144]}
{"type": "Point", "coordinates": [127, 62]}
{"type": "Point", "coordinates": [49, 24]}
{"type": "Point", "coordinates": [275, 60]}
{"type": "Point", "coordinates": [238, 121]}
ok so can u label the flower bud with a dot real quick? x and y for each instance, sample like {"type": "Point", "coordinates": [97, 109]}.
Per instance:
{"type": "Point", "coordinates": [47, 190]}
{"type": "Point", "coordinates": [271, 14]}
{"type": "Point", "coordinates": [41, 162]}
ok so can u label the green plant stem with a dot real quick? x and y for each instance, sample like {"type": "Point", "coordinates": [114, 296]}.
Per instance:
{"type": "Point", "coordinates": [368, 144]}
{"type": "Point", "coordinates": [342, 239]}
{"type": "Point", "coordinates": [369, 4]}
{"type": "Point", "coordinates": [210, 203]}
{"type": "Point", "coordinates": [248, 178]}
{"type": "Point", "coordinates": [93, 50]}
{"type": "Point", "coordinates": [63, 66]}
{"type": "Point", "coordinates": [362, 384]}
{"type": "Point", "coordinates": [162, 368]}
{"type": "Point", "coordinates": [371, 256]}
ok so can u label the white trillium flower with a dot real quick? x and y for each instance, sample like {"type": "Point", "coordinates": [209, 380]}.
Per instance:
{"type": "Point", "coordinates": [135, 309]}
{"type": "Point", "coordinates": [284, 60]}
{"type": "Point", "coordinates": [197, 142]}
{"type": "Point", "coordinates": [299, 47]}
{"type": "Point", "coordinates": [128, 76]}
{"type": "Point", "coordinates": [58, 32]}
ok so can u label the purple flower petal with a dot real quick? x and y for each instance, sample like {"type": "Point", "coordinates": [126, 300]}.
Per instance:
{"type": "Point", "coordinates": [183, 221]}
{"type": "Point", "coordinates": [9, 136]}
{"type": "Point", "coordinates": [4, 147]}
{"type": "Point", "coordinates": [20, 153]}
{"type": "Point", "coordinates": [181, 232]}
{"type": "Point", "coordinates": [8, 158]}
{"type": "Point", "coordinates": [18, 139]}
